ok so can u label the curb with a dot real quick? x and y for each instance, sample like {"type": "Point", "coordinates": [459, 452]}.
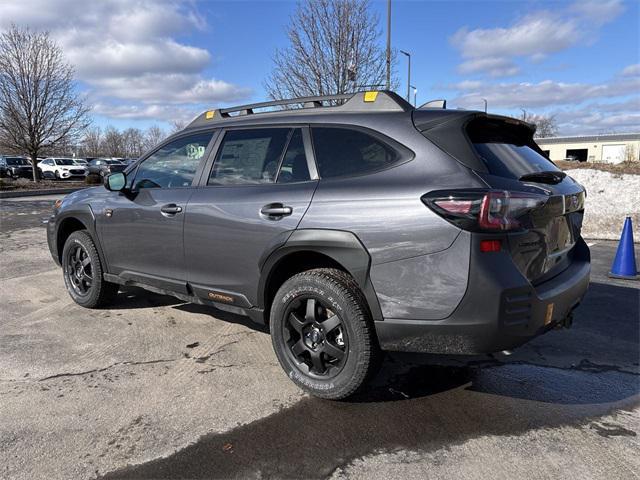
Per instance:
{"type": "Point", "coordinates": [33, 193]}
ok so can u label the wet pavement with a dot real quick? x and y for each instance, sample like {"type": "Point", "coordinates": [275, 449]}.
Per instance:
{"type": "Point", "coordinates": [153, 388]}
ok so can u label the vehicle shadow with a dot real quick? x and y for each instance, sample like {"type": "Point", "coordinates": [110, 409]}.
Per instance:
{"type": "Point", "coordinates": [418, 404]}
{"type": "Point", "coordinates": [136, 298]}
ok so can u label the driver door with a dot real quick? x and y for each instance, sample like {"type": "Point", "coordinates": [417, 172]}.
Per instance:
{"type": "Point", "coordinates": [142, 229]}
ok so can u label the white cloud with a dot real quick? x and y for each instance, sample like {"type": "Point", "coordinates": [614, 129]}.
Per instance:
{"type": "Point", "coordinates": [174, 88]}
{"type": "Point", "coordinates": [494, 67]}
{"type": "Point", "coordinates": [540, 33]}
{"type": "Point", "coordinates": [542, 94]}
{"type": "Point", "coordinates": [166, 113]}
{"type": "Point", "coordinates": [631, 71]}
{"type": "Point", "coordinates": [534, 36]}
{"type": "Point", "coordinates": [129, 51]}
{"type": "Point", "coordinates": [600, 118]}
{"type": "Point", "coordinates": [597, 11]}
{"type": "Point", "coordinates": [580, 108]}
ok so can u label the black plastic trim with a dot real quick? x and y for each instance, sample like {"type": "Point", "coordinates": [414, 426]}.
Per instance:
{"type": "Point", "coordinates": [341, 246]}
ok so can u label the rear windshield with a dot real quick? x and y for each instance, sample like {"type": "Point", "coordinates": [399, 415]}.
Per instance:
{"type": "Point", "coordinates": [507, 150]}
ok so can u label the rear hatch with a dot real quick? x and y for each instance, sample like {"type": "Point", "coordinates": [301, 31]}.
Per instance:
{"type": "Point", "coordinates": [549, 205]}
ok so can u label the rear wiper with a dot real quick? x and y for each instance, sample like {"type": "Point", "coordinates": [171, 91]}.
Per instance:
{"type": "Point", "coordinates": [548, 176]}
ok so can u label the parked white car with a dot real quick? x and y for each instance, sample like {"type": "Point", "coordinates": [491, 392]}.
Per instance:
{"type": "Point", "coordinates": [61, 168]}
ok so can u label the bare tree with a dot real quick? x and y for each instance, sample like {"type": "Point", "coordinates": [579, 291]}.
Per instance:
{"type": "Point", "coordinates": [132, 142]}
{"type": "Point", "coordinates": [112, 145]}
{"type": "Point", "coordinates": [153, 136]}
{"type": "Point", "coordinates": [630, 153]}
{"type": "Point", "coordinates": [546, 126]}
{"type": "Point", "coordinates": [92, 142]}
{"type": "Point", "coordinates": [39, 107]}
{"type": "Point", "coordinates": [177, 125]}
{"type": "Point", "coordinates": [334, 48]}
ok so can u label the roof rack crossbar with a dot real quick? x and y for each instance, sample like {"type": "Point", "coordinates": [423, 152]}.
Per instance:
{"type": "Point", "coordinates": [357, 102]}
{"type": "Point", "coordinates": [305, 101]}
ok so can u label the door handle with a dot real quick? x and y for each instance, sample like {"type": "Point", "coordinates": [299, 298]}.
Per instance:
{"type": "Point", "coordinates": [276, 210]}
{"type": "Point", "coordinates": [170, 209]}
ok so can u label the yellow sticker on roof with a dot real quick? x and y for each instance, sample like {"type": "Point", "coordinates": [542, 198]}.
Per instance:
{"type": "Point", "coordinates": [209, 115]}
{"type": "Point", "coordinates": [370, 96]}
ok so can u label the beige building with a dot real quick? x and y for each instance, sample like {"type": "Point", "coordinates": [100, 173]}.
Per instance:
{"type": "Point", "coordinates": [611, 148]}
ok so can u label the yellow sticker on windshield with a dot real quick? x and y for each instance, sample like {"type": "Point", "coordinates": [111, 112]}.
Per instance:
{"type": "Point", "coordinates": [370, 96]}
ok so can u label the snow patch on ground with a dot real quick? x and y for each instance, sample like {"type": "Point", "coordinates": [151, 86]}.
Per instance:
{"type": "Point", "coordinates": [610, 198]}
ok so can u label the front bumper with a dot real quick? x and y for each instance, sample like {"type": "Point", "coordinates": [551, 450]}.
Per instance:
{"type": "Point", "coordinates": [68, 174]}
{"type": "Point", "coordinates": [500, 310]}
{"type": "Point", "coordinates": [22, 173]}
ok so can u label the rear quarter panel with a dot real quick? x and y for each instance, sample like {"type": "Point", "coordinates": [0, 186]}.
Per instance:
{"type": "Point", "coordinates": [409, 245]}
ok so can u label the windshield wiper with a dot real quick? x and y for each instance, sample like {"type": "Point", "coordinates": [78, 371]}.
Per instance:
{"type": "Point", "coordinates": [549, 176]}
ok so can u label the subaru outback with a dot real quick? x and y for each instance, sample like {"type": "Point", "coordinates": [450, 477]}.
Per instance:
{"type": "Point", "coordinates": [349, 224]}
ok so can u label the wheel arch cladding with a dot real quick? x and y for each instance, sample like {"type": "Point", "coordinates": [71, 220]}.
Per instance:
{"type": "Point", "coordinates": [314, 248]}
{"type": "Point", "coordinates": [74, 220]}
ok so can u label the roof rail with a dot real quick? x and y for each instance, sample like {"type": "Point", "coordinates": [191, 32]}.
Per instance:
{"type": "Point", "coordinates": [379, 101]}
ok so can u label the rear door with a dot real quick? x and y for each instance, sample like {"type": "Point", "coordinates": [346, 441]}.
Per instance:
{"type": "Point", "coordinates": [250, 201]}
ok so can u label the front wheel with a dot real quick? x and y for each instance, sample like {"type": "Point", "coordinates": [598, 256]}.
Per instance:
{"type": "Point", "coordinates": [322, 333]}
{"type": "Point", "coordinates": [82, 272]}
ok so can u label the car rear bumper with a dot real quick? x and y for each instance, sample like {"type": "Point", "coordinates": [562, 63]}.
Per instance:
{"type": "Point", "coordinates": [500, 310]}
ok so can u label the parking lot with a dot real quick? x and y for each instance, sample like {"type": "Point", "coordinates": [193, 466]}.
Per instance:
{"type": "Point", "coordinates": [155, 388]}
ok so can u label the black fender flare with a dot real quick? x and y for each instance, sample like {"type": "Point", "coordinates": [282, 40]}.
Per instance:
{"type": "Point", "coordinates": [341, 246]}
{"type": "Point", "coordinates": [83, 214]}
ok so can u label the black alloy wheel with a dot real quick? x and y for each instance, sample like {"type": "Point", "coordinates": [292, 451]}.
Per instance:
{"type": "Point", "coordinates": [79, 271]}
{"type": "Point", "coordinates": [316, 338]}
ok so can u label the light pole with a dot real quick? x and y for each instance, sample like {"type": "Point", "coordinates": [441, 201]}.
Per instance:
{"type": "Point", "coordinates": [415, 95]}
{"type": "Point", "coordinates": [485, 104]}
{"type": "Point", "coordinates": [388, 44]}
{"type": "Point", "coordinates": [408, 75]}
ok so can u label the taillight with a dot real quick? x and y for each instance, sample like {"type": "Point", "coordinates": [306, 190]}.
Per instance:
{"type": "Point", "coordinates": [484, 210]}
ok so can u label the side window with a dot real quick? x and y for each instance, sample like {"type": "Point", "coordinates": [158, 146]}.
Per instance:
{"type": "Point", "coordinates": [342, 152]}
{"type": "Point", "coordinates": [294, 166]}
{"type": "Point", "coordinates": [249, 156]}
{"type": "Point", "coordinates": [174, 165]}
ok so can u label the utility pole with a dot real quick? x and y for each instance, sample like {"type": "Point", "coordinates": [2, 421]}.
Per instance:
{"type": "Point", "coordinates": [408, 75]}
{"type": "Point", "coordinates": [485, 104]}
{"type": "Point", "coordinates": [388, 86]}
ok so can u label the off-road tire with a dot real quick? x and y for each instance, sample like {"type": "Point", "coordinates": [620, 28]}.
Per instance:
{"type": "Point", "coordinates": [338, 289]}
{"type": "Point", "coordinates": [101, 292]}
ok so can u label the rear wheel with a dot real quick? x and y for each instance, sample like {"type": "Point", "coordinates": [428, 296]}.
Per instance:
{"type": "Point", "coordinates": [82, 272]}
{"type": "Point", "coordinates": [323, 334]}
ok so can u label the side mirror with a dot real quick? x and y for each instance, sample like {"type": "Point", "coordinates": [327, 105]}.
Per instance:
{"type": "Point", "coordinates": [115, 182]}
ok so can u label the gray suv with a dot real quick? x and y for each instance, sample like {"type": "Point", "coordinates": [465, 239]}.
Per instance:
{"type": "Point", "coordinates": [349, 225]}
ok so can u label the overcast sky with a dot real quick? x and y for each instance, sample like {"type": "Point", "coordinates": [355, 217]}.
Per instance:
{"type": "Point", "coordinates": [142, 62]}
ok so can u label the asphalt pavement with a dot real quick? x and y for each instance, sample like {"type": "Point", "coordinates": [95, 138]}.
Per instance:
{"type": "Point", "coordinates": [155, 388]}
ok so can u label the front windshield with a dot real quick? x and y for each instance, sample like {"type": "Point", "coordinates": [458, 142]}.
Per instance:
{"type": "Point", "coordinates": [64, 161]}
{"type": "Point", "coordinates": [17, 161]}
